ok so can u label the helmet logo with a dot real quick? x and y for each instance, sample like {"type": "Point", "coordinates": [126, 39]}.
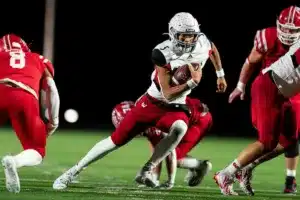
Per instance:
{"type": "Point", "coordinates": [190, 30]}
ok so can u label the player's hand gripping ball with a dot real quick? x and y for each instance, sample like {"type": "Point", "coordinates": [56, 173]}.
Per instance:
{"type": "Point", "coordinates": [182, 74]}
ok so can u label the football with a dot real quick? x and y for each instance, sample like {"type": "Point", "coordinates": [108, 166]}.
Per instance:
{"type": "Point", "coordinates": [182, 74]}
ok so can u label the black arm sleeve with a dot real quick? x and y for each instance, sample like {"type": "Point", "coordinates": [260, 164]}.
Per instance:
{"type": "Point", "coordinates": [158, 58]}
{"type": "Point", "coordinates": [294, 59]}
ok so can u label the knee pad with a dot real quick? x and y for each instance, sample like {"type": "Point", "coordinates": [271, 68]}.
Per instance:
{"type": "Point", "coordinates": [178, 128]}
{"type": "Point", "coordinates": [292, 150]}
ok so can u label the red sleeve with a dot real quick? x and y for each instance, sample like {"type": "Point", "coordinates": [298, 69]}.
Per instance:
{"type": "Point", "coordinates": [47, 64]}
{"type": "Point", "coordinates": [265, 39]}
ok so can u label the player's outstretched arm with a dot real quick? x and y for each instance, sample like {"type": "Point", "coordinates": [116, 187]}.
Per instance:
{"type": "Point", "coordinates": [248, 68]}
{"type": "Point", "coordinates": [50, 98]}
{"type": "Point", "coordinates": [216, 61]}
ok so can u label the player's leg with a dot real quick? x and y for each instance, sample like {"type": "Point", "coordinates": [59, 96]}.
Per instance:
{"type": "Point", "coordinates": [266, 105]}
{"type": "Point", "coordinates": [175, 124]}
{"type": "Point", "coordinates": [292, 154]}
{"type": "Point", "coordinates": [291, 160]}
{"type": "Point", "coordinates": [245, 175]}
{"type": "Point", "coordinates": [171, 166]}
{"type": "Point", "coordinates": [154, 139]}
{"type": "Point", "coordinates": [31, 131]}
{"type": "Point", "coordinates": [289, 140]}
{"type": "Point", "coordinates": [193, 136]}
{"type": "Point", "coordinates": [127, 129]}
{"type": "Point", "coordinates": [171, 160]}
{"type": "Point", "coordinates": [135, 122]}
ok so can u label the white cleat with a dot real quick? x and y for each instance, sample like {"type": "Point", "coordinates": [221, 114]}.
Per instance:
{"type": "Point", "coordinates": [146, 178]}
{"type": "Point", "coordinates": [65, 179]}
{"type": "Point", "coordinates": [189, 175]}
{"type": "Point", "coordinates": [244, 178]}
{"type": "Point", "coordinates": [196, 176]}
{"type": "Point", "coordinates": [225, 183]}
{"type": "Point", "coordinates": [166, 186]}
{"type": "Point", "coordinates": [11, 174]}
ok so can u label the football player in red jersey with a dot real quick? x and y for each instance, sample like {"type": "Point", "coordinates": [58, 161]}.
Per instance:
{"type": "Point", "coordinates": [291, 62]}
{"type": "Point", "coordinates": [201, 122]}
{"type": "Point", "coordinates": [270, 93]}
{"type": "Point", "coordinates": [21, 74]}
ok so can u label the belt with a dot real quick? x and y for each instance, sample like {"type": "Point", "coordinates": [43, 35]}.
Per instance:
{"type": "Point", "coordinates": [175, 107]}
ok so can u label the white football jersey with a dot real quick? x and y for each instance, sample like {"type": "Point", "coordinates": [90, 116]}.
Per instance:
{"type": "Point", "coordinates": [199, 55]}
{"type": "Point", "coordinates": [285, 75]}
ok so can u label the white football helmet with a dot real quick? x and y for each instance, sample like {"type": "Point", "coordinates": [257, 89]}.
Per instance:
{"type": "Point", "coordinates": [183, 23]}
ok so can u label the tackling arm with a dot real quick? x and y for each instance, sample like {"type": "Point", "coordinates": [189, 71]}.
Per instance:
{"type": "Point", "coordinates": [51, 101]}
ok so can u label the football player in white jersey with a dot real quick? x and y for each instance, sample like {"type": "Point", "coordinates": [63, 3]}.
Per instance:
{"type": "Point", "coordinates": [163, 105]}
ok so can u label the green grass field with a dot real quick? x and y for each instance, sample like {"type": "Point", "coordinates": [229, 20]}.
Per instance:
{"type": "Point", "coordinates": [112, 177]}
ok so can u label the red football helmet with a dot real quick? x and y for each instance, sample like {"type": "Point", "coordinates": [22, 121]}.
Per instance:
{"type": "Point", "coordinates": [120, 111]}
{"type": "Point", "coordinates": [11, 42]}
{"type": "Point", "coordinates": [288, 25]}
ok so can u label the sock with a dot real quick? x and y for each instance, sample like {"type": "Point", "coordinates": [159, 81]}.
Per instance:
{"type": "Point", "coordinates": [171, 164]}
{"type": "Point", "coordinates": [189, 163]}
{"type": "Point", "coordinates": [29, 157]}
{"type": "Point", "coordinates": [291, 172]}
{"type": "Point", "coordinates": [233, 167]}
{"type": "Point", "coordinates": [102, 148]}
{"type": "Point", "coordinates": [168, 143]}
{"type": "Point", "coordinates": [157, 171]}
{"type": "Point", "coordinates": [253, 164]}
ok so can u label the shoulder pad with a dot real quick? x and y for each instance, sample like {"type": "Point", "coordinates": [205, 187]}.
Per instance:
{"type": "Point", "coordinates": [48, 64]}
{"type": "Point", "coordinates": [158, 58]}
{"type": "Point", "coordinates": [204, 41]}
{"type": "Point", "coordinates": [165, 49]}
{"type": "Point", "coordinates": [265, 39]}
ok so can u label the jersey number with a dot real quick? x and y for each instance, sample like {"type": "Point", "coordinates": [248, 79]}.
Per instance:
{"type": "Point", "coordinates": [125, 108]}
{"type": "Point", "coordinates": [164, 48]}
{"type": "Point", "coordinates": [17, 60]}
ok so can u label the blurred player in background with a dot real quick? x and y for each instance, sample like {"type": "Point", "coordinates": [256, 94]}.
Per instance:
{"type": "Point", "coordinates": [201, 121]}
{"type": "Point", "coordinates": [163, 105]}
{"type": "Point", "coordinates": [273, 114]}
{"type": "Point", "coordinates": [21, 74]}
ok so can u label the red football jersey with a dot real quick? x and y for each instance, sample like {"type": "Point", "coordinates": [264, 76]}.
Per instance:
{"type": "Point", "coordinates": [267, 42]}
{"type": "Point", "coordinates": [24, 67]}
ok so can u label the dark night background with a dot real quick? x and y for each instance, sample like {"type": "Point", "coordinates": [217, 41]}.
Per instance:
{"type": "Point", "coordinates": [103, 48]}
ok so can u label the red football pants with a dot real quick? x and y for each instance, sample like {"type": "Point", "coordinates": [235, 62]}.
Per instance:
{"type": "Point", "coordinates": [145, 114]}
{"type": "Point", "coordinates": [296, 104]}
{"type": "Point", "coordinates": [272, 114]}
{"type": "Point", "coordinates": [22, 109]}
{"type": "Point", "coordinates": [193, 136]}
